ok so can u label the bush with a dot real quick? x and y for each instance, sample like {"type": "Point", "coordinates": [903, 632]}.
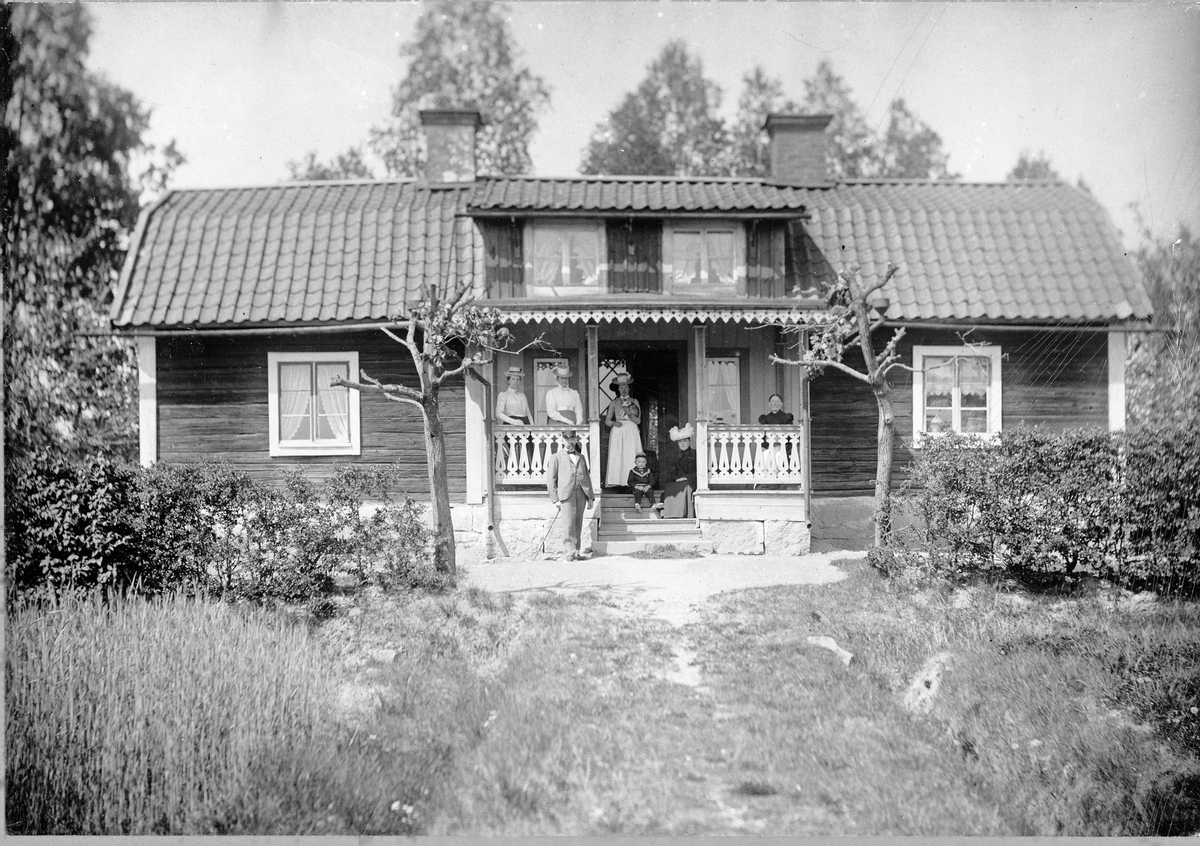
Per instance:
{"type": "Point", "coordinates": [1161, 508]}
{"type": "Point", "coordinates": [71, 524]}
{"type": "Point", "coordinates": [205, 527]}
{"type": "Point", "coordinates": [249, 541]}
{"type": "Point", "coordinates": [1125, 506]}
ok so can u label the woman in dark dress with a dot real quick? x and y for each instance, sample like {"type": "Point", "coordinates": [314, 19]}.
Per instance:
{"type": "Point", "coordinates": [679, 482]}
{"type": "Point", "coordinates": [777, 456]}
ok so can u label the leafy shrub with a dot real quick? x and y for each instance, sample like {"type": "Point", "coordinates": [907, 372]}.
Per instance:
{"type": "Point", "coordinates": [1161, 507]}
{"type": "Point", "coordinates": [70, 524]}
{"type": "Point", "coordinates": [1126, 506]}
{"type": "Point", "coordinates": [250, 541]}
{"type": "Point", "coordinates": [208, 527]}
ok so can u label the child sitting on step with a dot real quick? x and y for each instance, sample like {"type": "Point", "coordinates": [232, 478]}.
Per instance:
{"type": "Point", "coordinates": [641, 483]}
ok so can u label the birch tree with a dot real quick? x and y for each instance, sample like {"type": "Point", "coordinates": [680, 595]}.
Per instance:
{"type": "Point", "coordinates": [828, 336]}
{"type": "Point", "coordinates": [444, 337]}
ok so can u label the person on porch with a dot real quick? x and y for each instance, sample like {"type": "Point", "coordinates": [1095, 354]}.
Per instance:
{"type": "Point", "coordinates": [562, 401]}
{"type": "Point", "coordinates": [512, 406]}
{"type": "Point", "coordinates": [570, 487]}
{"type": "Point", "coordinates": [776, 456]}
{"type": "Point", "coordinates": [680, 477]}
{"type": "Point", "coordinates": [623, 419]}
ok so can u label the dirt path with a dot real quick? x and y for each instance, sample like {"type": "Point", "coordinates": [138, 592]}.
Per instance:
{"type": "Point", "coordinates": [668, 589]}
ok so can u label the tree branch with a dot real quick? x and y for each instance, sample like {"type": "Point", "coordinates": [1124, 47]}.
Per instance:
{"type": "Point", "coordinates": [396, 393]}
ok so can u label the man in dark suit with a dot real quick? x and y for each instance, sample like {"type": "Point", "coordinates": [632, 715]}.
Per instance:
{"type": "Point", "coordinates": [569, 484]}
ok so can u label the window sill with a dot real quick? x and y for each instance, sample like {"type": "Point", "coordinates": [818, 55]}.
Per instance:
{"type": "Point", "coordinates": [314, 449]}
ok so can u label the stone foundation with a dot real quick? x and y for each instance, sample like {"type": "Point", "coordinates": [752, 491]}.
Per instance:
{"type": "Point", "coordinates": [734, 537]}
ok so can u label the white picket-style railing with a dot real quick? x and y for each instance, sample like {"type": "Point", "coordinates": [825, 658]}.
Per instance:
{"type": "Point", "coordinates": [755, 455]}
{"type": "Point", "coordinates": [522, 452]}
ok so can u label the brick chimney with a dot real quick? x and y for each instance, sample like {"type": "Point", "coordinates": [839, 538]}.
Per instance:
{"type": "Point", "coordinates": [450, 144]}
{"type": "Point", "coordinates": [798, 148]}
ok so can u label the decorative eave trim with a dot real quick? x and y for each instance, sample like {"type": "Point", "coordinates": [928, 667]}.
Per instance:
{"type": "Point", "coordinates": [629, 312]}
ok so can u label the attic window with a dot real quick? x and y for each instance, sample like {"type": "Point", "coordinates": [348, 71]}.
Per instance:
{"type": "Point", "coordinates": [308, 416]}
{"type": "Point", "coordinates": [956, 389]}
{"type": "Point", "coordinates": [707, 257]}
{"type": "Point", "coordinates": [564, 258]}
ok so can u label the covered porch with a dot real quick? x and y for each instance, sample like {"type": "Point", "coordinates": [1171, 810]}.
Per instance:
{"type": "Point", "coordinates": [707, 365]}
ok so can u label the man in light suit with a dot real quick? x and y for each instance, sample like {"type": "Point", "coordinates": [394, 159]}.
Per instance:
{"type": "Point", "coordinates": [569, 484]}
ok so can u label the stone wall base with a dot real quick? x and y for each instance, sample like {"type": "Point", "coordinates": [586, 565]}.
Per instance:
{"type": "Point", "coordinates": [756, 537]}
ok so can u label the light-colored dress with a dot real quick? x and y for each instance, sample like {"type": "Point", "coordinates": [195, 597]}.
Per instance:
{"type": "Point", "coordinates": [624, 443]}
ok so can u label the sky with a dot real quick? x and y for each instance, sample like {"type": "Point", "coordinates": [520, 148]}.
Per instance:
{"type": "Point", "coordinates": [1108, 91]}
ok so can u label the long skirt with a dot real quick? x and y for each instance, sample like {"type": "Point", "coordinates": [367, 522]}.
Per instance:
{"type": "Point", "coordinates": [624, 444]}
{"type": "Point", "coordinates": [677, 500]}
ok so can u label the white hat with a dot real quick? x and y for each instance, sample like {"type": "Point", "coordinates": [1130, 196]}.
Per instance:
{"type": "Point", "coordinates": [683, 434]}
{"type": "Point", "coordinates": [514, 371]}
{"type": "Point", "coordinates": [562, 371]}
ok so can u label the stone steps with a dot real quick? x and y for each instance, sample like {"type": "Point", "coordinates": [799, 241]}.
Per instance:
{"type": "Point", "coordinates": [623, 530]}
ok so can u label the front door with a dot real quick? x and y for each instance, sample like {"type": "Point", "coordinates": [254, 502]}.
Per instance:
{"type": "Point", "coordinates": [657, 386]}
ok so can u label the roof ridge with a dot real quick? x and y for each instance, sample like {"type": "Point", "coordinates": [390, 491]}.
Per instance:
{"type": "Point", "coordinates": [949, 183]}
{"type": "Point", "coordinates": [592, 177]}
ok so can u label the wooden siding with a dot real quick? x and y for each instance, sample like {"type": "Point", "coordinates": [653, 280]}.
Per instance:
{"type": "Point", "coordinates": [1055, 380]}
{"type": "Point", "coordinates": [212, 403]}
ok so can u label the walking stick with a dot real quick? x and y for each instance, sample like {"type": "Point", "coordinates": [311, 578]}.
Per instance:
{"type": "Point", "coordinates": [553, 520]}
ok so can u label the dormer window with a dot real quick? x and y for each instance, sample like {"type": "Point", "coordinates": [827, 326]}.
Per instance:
{"type": "Point", "coordinates": [707, 257]}
{"type": "Point", "coordinates": [564, 258]}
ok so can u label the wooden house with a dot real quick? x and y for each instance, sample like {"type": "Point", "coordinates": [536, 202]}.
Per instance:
{"type": "Point", "coordinates": [245, 301]}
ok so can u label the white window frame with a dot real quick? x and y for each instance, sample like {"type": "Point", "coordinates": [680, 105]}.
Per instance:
{"type": "Point", "coordinates": [736, 361]}
{"type": "Point", "coordinates": [532, 289]}
{"type": "Point", "coordinates": [703, 226]}
{"type": "Point", "coordinates": [280, 448]}
{"type": "Point", "coordinates": [995, 397]}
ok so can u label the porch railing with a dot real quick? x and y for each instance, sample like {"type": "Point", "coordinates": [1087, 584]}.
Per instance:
{"type": "Point", "coordinates": [755, 455]}
{"type": "Point", "coordinates": [522, 452]}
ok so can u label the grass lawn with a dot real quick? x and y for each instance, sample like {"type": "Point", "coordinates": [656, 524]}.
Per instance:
{"type": "Point", "coordinates": [540, 713]}
{"type": "Point", "coordinates": [602, 721]}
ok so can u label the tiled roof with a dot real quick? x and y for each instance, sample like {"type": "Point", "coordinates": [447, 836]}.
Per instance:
{"type": "Point", "coordinates": [1033, 251]}
{"type": "Point", "coordinates": [299, 253]}
{"type": "Point", "coordinates": [634, 194]}
{"type": "Point", "coordinates": [293, 253]}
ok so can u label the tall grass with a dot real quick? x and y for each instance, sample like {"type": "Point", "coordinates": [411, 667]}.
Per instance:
{"type": "Point", "coordinates": [138, 716]}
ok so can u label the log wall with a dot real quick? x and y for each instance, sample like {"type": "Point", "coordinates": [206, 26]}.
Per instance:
{"type": "Point", "coordinates": [1054, 380]}
{"type": "Point", "coordinates": [212, 404]}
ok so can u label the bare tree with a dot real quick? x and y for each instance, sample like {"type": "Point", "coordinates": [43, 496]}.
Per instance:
{"type": "Point", "coordinates": [825, 338]}
{"type": "Point", "coordinates": [444, 337]}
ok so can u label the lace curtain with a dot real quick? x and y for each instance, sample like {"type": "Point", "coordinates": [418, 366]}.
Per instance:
{"type": "Point", "coordinates": [295, 392]}
{"type": "Point", "coordinates": [334, 403]}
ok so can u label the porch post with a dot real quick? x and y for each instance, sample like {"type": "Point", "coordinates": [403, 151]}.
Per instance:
{"type": "Point", "coordinates": [147, 360]}
{"type": "Point", "coordinates": [700, 353]}
{"type": "Point", "coordinates": [1116, 381]}
{"type": "Point", "coordinates": [593, 403]}
{"type": "Point", "coordinates": [476, 441]}
{"type": "Point", "coordinates": [805, 435]}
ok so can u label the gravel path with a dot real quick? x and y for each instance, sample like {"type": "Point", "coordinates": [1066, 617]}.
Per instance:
{"type": "Point", "coordinates": [666, 588]}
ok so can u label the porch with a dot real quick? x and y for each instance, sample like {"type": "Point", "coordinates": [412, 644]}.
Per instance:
{"type": "Point", "coordinates": [710, 368]}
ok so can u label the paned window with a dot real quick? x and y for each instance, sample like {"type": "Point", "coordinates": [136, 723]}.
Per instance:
{"type": "Point", "coordinates": [308, 416]}
{"type": "Point", "coordinates": [724, 390]}
{"type": "Point", "coordinates": [565, 258]}
{"type": "Point", "coordinates": [706, 257]}
{"type": "Point", "coordinates": [956, 389]}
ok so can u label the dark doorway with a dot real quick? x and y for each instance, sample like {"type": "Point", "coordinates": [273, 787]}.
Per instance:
{"type": "Point", "coordinates": [657, 386]}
